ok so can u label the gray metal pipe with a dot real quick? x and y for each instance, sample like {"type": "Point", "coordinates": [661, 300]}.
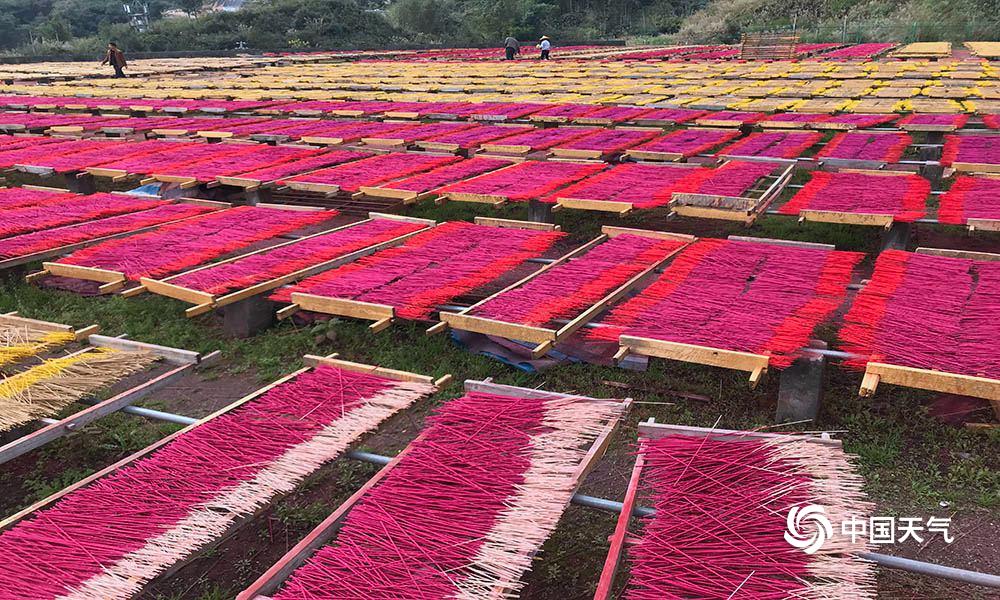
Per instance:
{"type": "Point", "coordinates": [883, 560]}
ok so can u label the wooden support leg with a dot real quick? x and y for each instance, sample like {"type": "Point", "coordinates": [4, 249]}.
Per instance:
{"type": "Point", "coordinates": [247, 317]}
{"type": "Point", "coordinates": [800, 391]}
{"type": "Point", "coordinates": [896, 237]}
{"type": "Point", "coordinates": [540, 212]}
{"type": "Point", "coordinates": [259, 196]}
{"type": "Point", "coordinates": [82, 184]}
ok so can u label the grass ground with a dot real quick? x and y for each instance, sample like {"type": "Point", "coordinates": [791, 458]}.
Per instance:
{"type": "Point", "coordinates": [915, 464]}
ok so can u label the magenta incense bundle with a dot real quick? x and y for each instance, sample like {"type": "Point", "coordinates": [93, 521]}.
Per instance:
{"type": "Point", "coordinates": [901, 196]}
{"type": "Point", "coordinates": [747, 486]}
{"type": "Point", "coordinates": [744, 296]}
{"type": "Point", "coordinates": [564, 291]}
{"type": "Point", "coordinates": [302, 165]}
{"type": "Point", "coordinates": [430, 269]}
{"type": "Point", "coordinates": [175, 247]}
{"type": "Point", "coordinates": [71, 209]}
{"type": "Point", "coordinates": [109, 538]}
{"type": "Point", "coordinates": [685, 143]}
{"type": "Point", "coordinates": [16, 197]}
{"type": "Point", "coordinates": [866, 146]}
{"type": "Point", "coordinates": [373, 171]}
{"type": "Point", "coordinates": [520, 183]}
{"type": "Point", "coordinates": [508, 465]}
{"type": "Point", "coordinates": [970, 197]}
{"type": "Point", "coordinates": [257, 268]}
{"type": "Point", "coordinates": [891, 321]}
{"type": "Point", "coordinates": [773, 144]}
{"type": "Point", "coordinates": [59, 237]}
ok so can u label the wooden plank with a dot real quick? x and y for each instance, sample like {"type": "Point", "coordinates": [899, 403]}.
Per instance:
{"type": "Point", "coordinates": [830, 216]}
{"type": "Point", "coordinates": [511, 331]}
{"type": "Point", "coordinates": [494, 199]}
{"type": "Point", "coordinates": [617, 539]}
{"type": "Point", "coordinates": [515, 224]}
{"type": "Point", "coordinates": [85, 273]}
{"type": "Point", "coordinates": [177, 356]}
{"type": "Point", "coordinates": [778, 242]}
{"type": "Point", "coordinates": [619, 208]}
{"type": "Point", "coordinates": [577, 153]}
{"type": "Point", "coordinates": [343, 307]}
{"type": "Point", "coordinates": [312, 360]}
{"type": "Point", "coordinates": [54, 431]}
{"type": "Point", "coordinates": [701, 212]}
{"type": "Point", "coordinates": [983, 224]}
{"type": "Point", "coordinates": [613, 232]}
{"type": "Point", "coordinates": [716, 357]}
{"type": "Point", "coordinates": [936, 381]}
{"type": "Point", "coordinates": [164, 288]}
{"type": "Point", "coordinates": [734, 203]}
{"type": "Point", "coordinates": [406, 196]}
{"type": "Point", "coordinates": [968, 254]}
{"type": "Point", "coordinates": [654, 431]}
{"type": "Point", "coordinates": [306, 186]}
{"type": "Point", "coordinates": [651, 155]}
{"type": "Point", "coordinates": [14, 320]}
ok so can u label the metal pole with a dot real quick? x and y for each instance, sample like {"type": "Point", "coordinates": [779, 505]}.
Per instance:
{"type": "Point", "coordinates": [892, 562]}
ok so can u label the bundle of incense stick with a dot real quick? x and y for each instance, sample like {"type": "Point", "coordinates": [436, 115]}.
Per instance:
{"type": "Point", "coordinates": [991, 121]}
{"type": "Point", "coordinates": [565, 290]}
{"type": "Point", "coordinates": [773, 144]}
{"type": "Point", "coordinates": [904, 197]}
{"type": "Point", "coordinates": [978, 149]}
{"type": "Point", "coordinates": [471, 138]}
{"type": "Point", "coordinates": [641, 185]}
{"type": "Point", "coordinates": [735, 117]}
{"type": "Point", "coordinates": [420, 131]}
{"type": "Point", "coordinates": [375, 170]}
{"type": "Point", "coordinates": [302, 165]}
{"type": "Point", "coordinates": [70, 210]}
{"type": "Point", "coordinates": [857, 51]}
{"type": "Point", "coordinates": [891, 321]}
{"type": "Point", "coordinates": [688, 142]}
{"type": "Point", "coordinates": [262, 156]}
{"type": "Point", "coordinates": [177, 153]}
{"type": "Point", "coordinates": [543, 139]}
{"type": "Point", "coordinates": [77, 161]}
{"type": "Point", "coordinates": [507, 465]}
{"type": "Point", "coordinates": [957, 121]}
{"type": "Point", "coordinates": [46, 389]}
{"type": "Point", "coordinates": [616, 114]}
{"type": "Point", "coordinates": [355, 130]}
{"type": "Point", "coordinates": [568, 111]}
{"type": "Point", "coordinates": [609, 141]}
{"type": "Point", "coordinates": [430, 269]}
{"type": "Point", "coordinates": [861, 121]}
{"type": "Point", "coordinates": [722, 510]}
{"type": "Point", "coordinates": [178, 246]}
{"type": "Point", "coordinates": [804, 118]}
{"type": "Point", "coordinates": [673, 115]}
{"type": "Point", "coordinates": [861, 145]}
{"type": "Point", "coordinates": [970, 198]}
{"type": "Point", "coordinates": [744, 296]}
{"type": "Point", "coordinates": [8, 143]}
{"type": "Point", "coordinates": [18, 342]}
{"type": "Point", "coordinates": [246, 272]}
{"type": "Point", "coordinates": [108, 539]}
{"type": "Point", "coordinates": [28, 154]}
{"type": "Point", "coordinates": [442, 176]}
{"type": "Point", "coordinates": [51, 239]}
{"type": "Point", "coordinates": [15, 197]}
{"type": "Point", "coordinates": [495, 110]}
{"type": "Point", "coordinates": [735, 178]}
{"type": "Point", "coordinates": [526, 181]}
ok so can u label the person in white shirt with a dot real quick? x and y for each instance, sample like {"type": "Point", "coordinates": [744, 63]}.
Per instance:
{"type": "Point", "coordinates": [545, 46]}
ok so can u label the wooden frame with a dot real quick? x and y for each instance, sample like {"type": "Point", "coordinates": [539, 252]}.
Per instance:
{"type": "Point", "coordinates": [66, 249]}
{"type": "Point", "coordinates": [929, 379]}
{"type": "Point", "coordinates": [205, 302]}
{"type": "Point", "coordinates": [182, 361]}
{"type": "Point", "coordinates": [731, 208]}
{"type": "Point", "coordinates": [272, 579]}
{"type": "Point", "coordinates": [114, 281]}
{"type": "Point", "coordinates": [755, 364]}
{"type": "Point", "coordinates": [13, 319]}
{"type": "Point", "coordinates": [52, 499]}
{"type": "Point", "coordinates": [386, 190]}
{"type": "Point", "coordinates": [546, 338]}
{"type": "Point", "coordinates": [651, 430]}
